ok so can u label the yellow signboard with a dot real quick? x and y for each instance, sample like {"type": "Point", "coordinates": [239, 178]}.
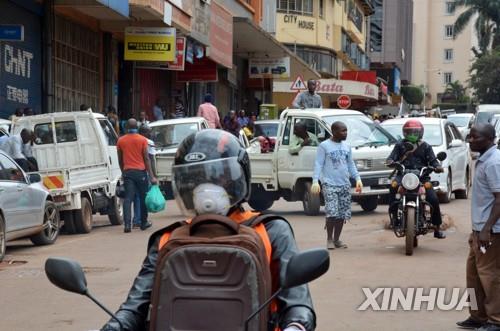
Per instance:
{"type": "Point", "coordinates": [149, 44]}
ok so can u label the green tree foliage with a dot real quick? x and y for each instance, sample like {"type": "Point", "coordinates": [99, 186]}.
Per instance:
{"type": "Point", "coordinates": [455, 92]}
{"type": "Point", "coordinates": [485, 78]}
{"type": "Point", "coordinates": [412, 94]}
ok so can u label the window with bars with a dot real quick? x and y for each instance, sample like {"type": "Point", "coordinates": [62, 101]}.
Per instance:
{"type": "Point", "coordinates": [447, 78]}
{"type": "Point", "coordinates": [448, 55]}
{"type": "Point", "coordinates": [299, 7]}
{"type": "Point", "coordinates": [448, 31]}
{"type": "Point", "coordinates": [76, 66]}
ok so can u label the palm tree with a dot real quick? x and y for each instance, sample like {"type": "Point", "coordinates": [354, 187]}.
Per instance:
{"type": "Point", "coordinates": [456, 90]}
{"type": "Point", "coordinates": [487, 24]}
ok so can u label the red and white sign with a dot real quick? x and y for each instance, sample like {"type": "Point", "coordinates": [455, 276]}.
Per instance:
{"type": "Point", "coordinates": [344, 101]}
{"type": "Point", "coordinates": [298, 84]}
{"type": "Point", "coordinates": [336, 87]}
{"type": "Point", "coordinates": [180, 50]}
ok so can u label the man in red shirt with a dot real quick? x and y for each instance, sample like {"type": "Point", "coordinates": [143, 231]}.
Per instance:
{"type": "Point", "coordinates": [135, 166]}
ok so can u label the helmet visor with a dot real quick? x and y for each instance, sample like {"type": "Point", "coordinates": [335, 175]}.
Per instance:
{"type": "Point", "coordinates": [226, 173]}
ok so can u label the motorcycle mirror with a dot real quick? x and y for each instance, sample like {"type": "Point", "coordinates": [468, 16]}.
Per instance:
{"type": "Point", "coordinates": [441, 156]}
{"type": "Point", "coordinates": [66, 274]}
{"type": "Point", "coordinates": [305, 267]}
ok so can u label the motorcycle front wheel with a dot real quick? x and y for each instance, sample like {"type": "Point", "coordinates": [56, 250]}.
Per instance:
{"type": "Point", "coordinates": [410, 230]}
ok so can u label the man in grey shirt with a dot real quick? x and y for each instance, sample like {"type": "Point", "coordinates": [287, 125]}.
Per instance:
{"type": "Point", "coordinates": [483, 266]}
{"type": "Point", "coordinates": [309, 98]}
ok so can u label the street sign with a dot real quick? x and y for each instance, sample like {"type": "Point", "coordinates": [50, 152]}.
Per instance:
{"type": "Point", "coordinates": [298, 84]}
{"type": "Point", "coordinates": [344, 101]}
{"type": "Point", "coordinates": [11, 32]}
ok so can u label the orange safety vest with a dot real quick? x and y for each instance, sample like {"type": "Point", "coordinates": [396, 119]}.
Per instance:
{"type": "Point", "coordinates": [241, 217]}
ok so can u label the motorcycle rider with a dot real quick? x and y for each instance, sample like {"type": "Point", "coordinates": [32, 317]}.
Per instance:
{"type": "Point", "coordinates": [421, 155]}
{"type": "Point", "coordinates": [211, 175]}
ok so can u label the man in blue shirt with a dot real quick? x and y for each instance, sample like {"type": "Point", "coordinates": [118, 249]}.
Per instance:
{"type": "Point", "coordinates": [157, 112]}
{"type": "Point", "coordinates": [335, 166]}
{"type": "Point", "coordinates": [483, 263]}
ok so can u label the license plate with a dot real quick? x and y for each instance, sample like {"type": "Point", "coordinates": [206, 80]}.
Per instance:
{"type": "Point", "coordinates": [384, 181]}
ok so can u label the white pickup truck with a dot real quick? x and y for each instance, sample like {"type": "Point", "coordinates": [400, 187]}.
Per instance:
{"type": "Point", "coordinates": [282, 175]}
{"type": "Point", "coordinates": [78, 162]}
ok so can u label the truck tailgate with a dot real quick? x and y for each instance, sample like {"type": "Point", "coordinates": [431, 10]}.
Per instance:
{"type": "Point", "coordinates": [164, 164]}
{"type": "Point", "coordinates": [262, 167]}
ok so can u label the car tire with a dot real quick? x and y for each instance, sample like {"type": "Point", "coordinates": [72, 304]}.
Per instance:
{"type": "Point", "coordinates": [310, 202]}
{"type": "Point", "coordinates": [83, 217]}
{"type": "Point", "coordinates": [464, 194]}
{"type": "Point", "coordinates": [260, 204]}
{"type": "Point", "coordinates": [446, 196]}
{"type": "Point", "coordinates": [115, 211]}
{"type": "Point", "coordinates": [3, 239]}
{"type": "Point", "coordinates": [369, 203]}
{"type": "Point", "coordinates": [69, 221]}
{"type": "Point", "coordinates": [51, 226]}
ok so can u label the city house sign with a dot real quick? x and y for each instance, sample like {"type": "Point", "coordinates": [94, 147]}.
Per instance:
{"type": "Point", "coordinates": [298, 21]}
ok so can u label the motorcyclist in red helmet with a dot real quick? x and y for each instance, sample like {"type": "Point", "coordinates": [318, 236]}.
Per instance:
{"type": "Point", "coordinates": [419, 156]}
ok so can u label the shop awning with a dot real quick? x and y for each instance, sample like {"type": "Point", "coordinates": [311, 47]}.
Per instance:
{"type": "Point", "coordinates": [251, 41]}
{"type": "Point", "coordinates": [100, 9]}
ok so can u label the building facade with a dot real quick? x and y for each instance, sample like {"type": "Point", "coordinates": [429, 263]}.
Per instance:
{"type": "Point", "coordinates": [391, 49]}
{"type": "Point", "coordinates": [439, 58]}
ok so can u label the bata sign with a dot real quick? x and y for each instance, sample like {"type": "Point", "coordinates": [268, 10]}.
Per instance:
{"type": "Point", "coordinates": [335, 86]}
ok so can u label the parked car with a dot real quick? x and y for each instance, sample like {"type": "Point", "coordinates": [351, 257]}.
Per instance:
{"type": "Point", "coordinates": [463, 122]}
{"type": "Point", "coordinates": [167, 135]}
{"type": "Point", "coordinates": [485, 113]}
{"type": "Point", "coordinates": [78, 162]}
{"type": "Point", "coordinates": [443, 136]}
{"type": "Point", "coordinates": [26, 208]}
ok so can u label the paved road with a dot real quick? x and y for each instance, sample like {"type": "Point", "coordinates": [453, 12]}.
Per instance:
{"type": "Point", "coordinates": [375, 258]}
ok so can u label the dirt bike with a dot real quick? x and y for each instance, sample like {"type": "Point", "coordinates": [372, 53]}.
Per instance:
{"type": "Point", "coordinates": [413, 216]}
{"type": "Point", "coordinates": [302, 268]}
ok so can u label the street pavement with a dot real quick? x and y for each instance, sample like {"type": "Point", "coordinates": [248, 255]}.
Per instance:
{"type": "Point", "coordinates": [375, 258]}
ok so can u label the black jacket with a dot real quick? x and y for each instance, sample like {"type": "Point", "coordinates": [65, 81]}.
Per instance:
{"type": "Point", "coordinates": [422, 156]}
{"type": "Point", "coordinates": [295, 304]}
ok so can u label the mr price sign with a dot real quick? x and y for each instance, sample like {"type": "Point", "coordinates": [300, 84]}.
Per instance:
{"type": "Point", "coordinates": [344, 101]}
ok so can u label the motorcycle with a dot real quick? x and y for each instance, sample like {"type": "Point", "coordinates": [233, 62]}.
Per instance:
{"type": "Point", "coordinates": [413, 211]}
{"type": "Point", "coordinates": [302, 268]}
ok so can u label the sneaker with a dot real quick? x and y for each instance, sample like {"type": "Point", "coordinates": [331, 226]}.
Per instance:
{"type": "Point", "coordinates": [439, 234]}
{"type": "Point", "coordinates": [489, 327]}
{"type": "Point", "coordinates": [330, 244]}
{"type": "Point", "coordinates": [470, 323]}
{"type": "Point", "coordinates": [146, 225]}
{"type": "Point", "coordinates": [340, 244]}
{"type": "Point", "coordinates": [127, 229]}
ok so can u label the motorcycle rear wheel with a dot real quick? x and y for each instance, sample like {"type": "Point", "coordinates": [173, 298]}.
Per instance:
{"type": "Point", "coordinates": [410, 231]}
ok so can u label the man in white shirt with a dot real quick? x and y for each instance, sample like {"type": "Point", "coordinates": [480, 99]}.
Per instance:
{"type": "Point", "coordinates": [15, 148]}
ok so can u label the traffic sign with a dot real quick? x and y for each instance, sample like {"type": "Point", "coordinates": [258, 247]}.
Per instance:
{"type": "Point", "coordinates": [298, 84]}
{"type": "Point", "coordinates": [344, 101]}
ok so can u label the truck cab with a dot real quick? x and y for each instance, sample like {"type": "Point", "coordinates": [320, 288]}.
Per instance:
{"type": "Point", "coordinates": [284, 175]}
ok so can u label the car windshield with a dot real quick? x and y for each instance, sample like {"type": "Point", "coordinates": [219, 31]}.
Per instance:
{"type": "Point", "coordinates": [432, 133]}
{"type": "Point", "coordinates": [266, 129]}
{"type": "Point", "coordinates": [460, 121]}
{"type": "Point", "coordinates": [171, 135]}
{"type": "Point", "coordinates": [361, 131]}
{"type": "Point", "coordinates": [483, 117]}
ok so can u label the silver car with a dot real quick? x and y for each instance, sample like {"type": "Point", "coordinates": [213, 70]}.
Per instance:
{"type": "Point", "coordinates": [26, 209]}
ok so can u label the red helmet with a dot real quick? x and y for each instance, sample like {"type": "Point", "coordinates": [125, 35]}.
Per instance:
{"type": "Point", "coordinates": [413, 130]}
